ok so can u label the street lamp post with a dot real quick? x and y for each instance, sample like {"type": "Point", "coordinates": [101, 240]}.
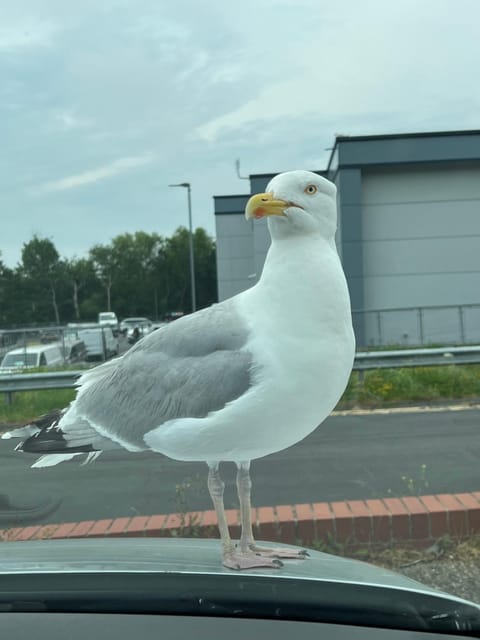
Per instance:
{"type": "Point", "coordinates": [186, 185]}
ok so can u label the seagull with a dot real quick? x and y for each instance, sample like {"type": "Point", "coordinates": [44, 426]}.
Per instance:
{"type": "Point", "coordinates": [233, 382]}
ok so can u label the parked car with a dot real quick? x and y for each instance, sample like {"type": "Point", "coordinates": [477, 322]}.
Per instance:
{"type": "Point", "coordinates": [170, 316]}
{"type": "Point", "coordinates": [109, 319]}
{"type": "Point", "coordinates": [32, 356]}
{"type": "Point", "coordinates": [127, 327]}
{"type": "Point", "coordinates": [74, 350]}
{"type": "Point", "coordinates": [100, 343]}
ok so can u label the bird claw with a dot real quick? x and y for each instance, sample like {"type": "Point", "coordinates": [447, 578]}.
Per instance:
{"type": "Point", "coordinates": [280, 552]}
{"type": "Point", "coordinates": [239, 561]}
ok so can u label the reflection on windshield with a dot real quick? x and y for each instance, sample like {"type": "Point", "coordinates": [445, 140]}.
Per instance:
{"type": "Point", "coordinates": [136, 134]}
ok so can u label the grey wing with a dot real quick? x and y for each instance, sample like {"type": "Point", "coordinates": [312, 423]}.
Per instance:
{"type": "Point", "coordinates": [189, 368]}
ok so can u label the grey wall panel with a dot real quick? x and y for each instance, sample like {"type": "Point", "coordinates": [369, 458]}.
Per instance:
{"type": "Point", "coordinates": [421, 237]}
{"type": "Point", "coordinates": [422, 220]}
{"type": "Point", "coordinates": [241, 246]}
{"type": "Point", "coordinates": [439, 326]}
{"type": "Point", "coordinates": [232, 224]}
{"type": "Point", "coordinates": [471, 324]}
{"type": "Point", "coordinates": [352, 261]}
{"type": "Point", "coordinates": [390, 328]}
{"type": "Point", "coordinates": [234, 244]}
{"type": "Point", "coordinates": [224, 268]}
{"type": "Point", "coordinates": [226, 289]}
{"type": "Point", "coordinates": [422, 256]}
{"type": "Point", "coordinates": [349, 195]}
{"type": "Point", "coordinates": [242, 269]}
{"type": "Point", "coordinates": [392, 292]}
{"type": "Point", "coordinates": [230, 204]}
{"type": "Point", "coordinates": [417, 184]}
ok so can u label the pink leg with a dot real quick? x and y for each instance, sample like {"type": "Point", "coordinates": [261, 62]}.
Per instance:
{"type": "Point", "coordinates": [247, 542]}
{"type": "Point", "coordinates": [233, 558]}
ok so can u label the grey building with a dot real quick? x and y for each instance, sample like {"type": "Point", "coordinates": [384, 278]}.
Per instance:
{"type": "Point", "coordinates": [408, 235]}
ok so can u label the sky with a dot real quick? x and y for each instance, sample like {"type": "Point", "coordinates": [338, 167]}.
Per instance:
{"type": "Point", "coordinates": [104, 104]}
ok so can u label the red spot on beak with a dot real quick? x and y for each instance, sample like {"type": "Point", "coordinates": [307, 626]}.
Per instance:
{"type": "Point", "coordinates": [259, 212]}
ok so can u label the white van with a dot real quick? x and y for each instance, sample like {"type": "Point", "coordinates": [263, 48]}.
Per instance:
{"type": "Point", "coordinates": [100, 343]}
{"type": "Point", "coordinates": [109, 319]}
{"type": "Point", "coordinates": [31, 356]}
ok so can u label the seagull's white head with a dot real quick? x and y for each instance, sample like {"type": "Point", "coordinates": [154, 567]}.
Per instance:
{"type": "Point", "coordinates": [297, 202]}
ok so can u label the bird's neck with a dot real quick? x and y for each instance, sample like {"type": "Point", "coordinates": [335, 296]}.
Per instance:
{"type": "Point", "coordinates": [303, 273]}
{"type": "Point", "coordinates": [299, 257]}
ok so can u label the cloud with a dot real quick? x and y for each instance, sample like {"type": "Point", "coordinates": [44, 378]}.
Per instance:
{"type": "Point", "coordinates": [29, 34]}
{"type": "Point", "coordinates": [402, 70]}
{"type": "Point", "coordinates": [68, 120]}
{"type": "Point", "coordinates": [95, 175]}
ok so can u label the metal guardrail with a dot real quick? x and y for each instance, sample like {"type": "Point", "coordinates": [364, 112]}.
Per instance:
{"type": "Point", "coordinates": [416, 357]}
{"type": "Point", "coordinates": [15, 382]}
{"type": "Point", "coordinates": [364, 361]}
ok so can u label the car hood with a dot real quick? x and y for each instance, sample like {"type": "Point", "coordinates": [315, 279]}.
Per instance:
{"type": "Point", "coordinates": [184, 555]}
{"type": "Point", "coordinates": [185, 576]}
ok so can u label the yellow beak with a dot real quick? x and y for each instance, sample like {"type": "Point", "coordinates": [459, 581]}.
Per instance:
{"type": "Point", "coordinates": [264, 204]}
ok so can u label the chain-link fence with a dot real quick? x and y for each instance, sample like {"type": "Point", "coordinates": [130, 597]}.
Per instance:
{"type": "Point", "coordinates": [415, 326]}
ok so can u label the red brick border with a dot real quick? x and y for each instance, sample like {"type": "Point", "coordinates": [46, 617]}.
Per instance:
{"type": "Point", "coordinates": [419, 520]}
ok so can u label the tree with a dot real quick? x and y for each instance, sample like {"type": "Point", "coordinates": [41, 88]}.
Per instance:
{"type": "Point", "coordinates": [177, 270]}
{"type": "Point", "coordinates": [41, 266]}
{"type": "Point", "coordinates": [104, 264]}
{"type": "Point", "coordinates": [80, 272]}
{"type": "Point", "coordinates": [176, 273]}
{"type": "Point", "coordinates": [137, 273]}
{"type": "Point", "coordinates": [205, 268]}
{"type": "Point", "coordinates": [135, 256]}
{"type": "Point", "coordinates": [7, 289]}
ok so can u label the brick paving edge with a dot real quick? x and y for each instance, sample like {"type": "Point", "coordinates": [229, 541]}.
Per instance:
{"type": "Point", "coordinates": [418, 520]}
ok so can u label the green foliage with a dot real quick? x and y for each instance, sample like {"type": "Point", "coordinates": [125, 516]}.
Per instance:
{"type": "Point", "coordinates": [188, 521]}
{"type": "Point", "coordinates": [28, 405]}
{"type": "Point", "coordinates": [41, 276]}
{"type": "Point", "coordinates": [139, 274]}
{"type": "Point", "coordinates": [417, 486]}
{"type": "Point", "coordinates": [392, 386]}
{"type": "Point", "coordinates": [414, 485]}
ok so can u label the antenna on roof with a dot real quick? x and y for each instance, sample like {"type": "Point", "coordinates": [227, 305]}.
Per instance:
{"type": "Point", "coordinates": [237, 167]}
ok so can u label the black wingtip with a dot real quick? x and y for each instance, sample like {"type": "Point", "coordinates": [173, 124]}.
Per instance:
{"type": "Point", "coordinates": [49, 439]}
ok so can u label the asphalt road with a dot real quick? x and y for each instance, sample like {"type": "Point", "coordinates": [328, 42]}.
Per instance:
{"type": "Point", "coordinates": [347, 457]}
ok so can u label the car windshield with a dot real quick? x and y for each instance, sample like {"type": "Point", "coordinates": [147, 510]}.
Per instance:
{"type": "Point", "coordinates": [20, 360]}
{"type": "Point", "coordinates": [288, 191]}
{"type": "Point", "coordinates": [70, 334]}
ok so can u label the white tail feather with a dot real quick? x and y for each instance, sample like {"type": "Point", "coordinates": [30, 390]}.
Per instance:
{"type": "Point", "coordinates": [91, 457]}
{"type": "Point", "coordinates": [22, 432]}
{"type": "Point", "coordinates": [52, 459]}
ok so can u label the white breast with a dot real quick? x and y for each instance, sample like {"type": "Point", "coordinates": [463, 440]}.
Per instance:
{"type": "Point", "coordinates": [303, 344]}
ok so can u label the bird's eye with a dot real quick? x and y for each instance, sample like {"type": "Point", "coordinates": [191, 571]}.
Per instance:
{"type": "Point", "coordinates": [311, 189]}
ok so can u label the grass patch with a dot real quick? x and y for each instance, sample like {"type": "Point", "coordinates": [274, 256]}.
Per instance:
{"type": "Point", "coordinates": [372, 389]}
{"type": "Point", "coordinates": [383, 387]}
{"type": "Point", "coordinates": [399, 556]}
{"type": "Point", "coordinates": [28, 405]}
